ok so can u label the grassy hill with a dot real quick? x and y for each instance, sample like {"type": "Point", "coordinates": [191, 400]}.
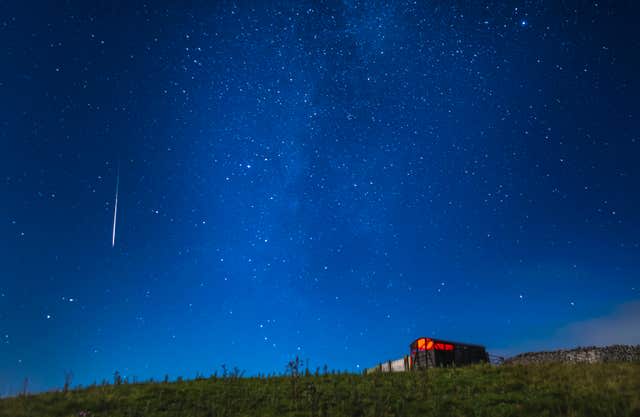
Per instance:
{"type": "Point", "coordinates": [597, 390]}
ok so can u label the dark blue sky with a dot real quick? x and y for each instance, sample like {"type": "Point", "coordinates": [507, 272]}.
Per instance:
{"type": "Point", "coordinates": [328, 179]}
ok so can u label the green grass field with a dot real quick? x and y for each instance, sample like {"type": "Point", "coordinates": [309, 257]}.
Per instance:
{"type": "Point", "coordinates": [597, 390]}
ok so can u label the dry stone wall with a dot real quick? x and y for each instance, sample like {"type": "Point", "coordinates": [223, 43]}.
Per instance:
{"type": "Point", "coordinates": [591, 354]}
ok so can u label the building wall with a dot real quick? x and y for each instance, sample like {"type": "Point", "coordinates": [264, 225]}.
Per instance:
{"type": "Point", "coordinates": [397, 365]}
{"type": "Point", "coordinates": [592, 354]}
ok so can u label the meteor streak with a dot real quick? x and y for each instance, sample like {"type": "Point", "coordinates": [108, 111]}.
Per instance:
{"type": "Point", "coordinates": [115, 211]}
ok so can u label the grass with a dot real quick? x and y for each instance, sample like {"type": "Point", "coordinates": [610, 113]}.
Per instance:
{"type": "Point", "coordinates": [597, 390]}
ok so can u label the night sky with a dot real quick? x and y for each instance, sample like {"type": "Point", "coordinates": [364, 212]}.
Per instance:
{"type": "Point", "coordinates": [324, 179]}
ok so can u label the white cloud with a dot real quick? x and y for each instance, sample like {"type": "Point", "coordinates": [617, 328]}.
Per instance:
{"type": "Point", "coordinates": [621, 327]}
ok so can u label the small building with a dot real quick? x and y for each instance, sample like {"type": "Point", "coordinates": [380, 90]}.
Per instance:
{"type": "Point", "coordinates": [426, 352]}
{"type": "Point", "coordinates": [429, 353]}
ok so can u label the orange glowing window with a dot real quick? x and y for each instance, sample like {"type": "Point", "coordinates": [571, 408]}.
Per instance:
{"type": "Point", "coordinates": [421, 344]}
{"type": "Point", "coordinates": [428, 344]}
{"type": "Point", "coordinates": [425, 344]}
{"type": "Point", "coordinates": [443, 346]}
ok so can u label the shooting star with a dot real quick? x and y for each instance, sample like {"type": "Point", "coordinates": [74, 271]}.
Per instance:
{"type": "Point", "coordinates": [115, 211]}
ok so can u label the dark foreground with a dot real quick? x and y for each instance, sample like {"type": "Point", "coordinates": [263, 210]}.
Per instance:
{"type": "Point", "coordinates": [534, 390]}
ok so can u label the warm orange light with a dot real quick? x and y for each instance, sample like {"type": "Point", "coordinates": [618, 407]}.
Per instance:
{"type": "Point", "coordinates": [443, 346]}
{"type": "Point", "coordinates": [421, 344]}
{"type": "Point", "coordinates": [429, 344]}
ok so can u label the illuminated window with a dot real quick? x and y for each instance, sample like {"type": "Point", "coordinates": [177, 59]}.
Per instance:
{"type": "Point", "coordinates": [443, 346]}
{"type": "Point", "coordinates": [421, 344]}
{"type": "Point", "coordinates": [428, 344]}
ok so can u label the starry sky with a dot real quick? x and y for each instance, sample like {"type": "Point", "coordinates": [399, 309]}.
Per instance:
{"type": "Point", "coordinates": [324, 179]}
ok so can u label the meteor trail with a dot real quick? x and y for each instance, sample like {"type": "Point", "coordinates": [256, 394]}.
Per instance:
{"type": "Point", "coordinates": [115, 211]}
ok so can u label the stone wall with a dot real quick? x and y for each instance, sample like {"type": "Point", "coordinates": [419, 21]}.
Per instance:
{"type": "Point", "coordinates": [591, 354]}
